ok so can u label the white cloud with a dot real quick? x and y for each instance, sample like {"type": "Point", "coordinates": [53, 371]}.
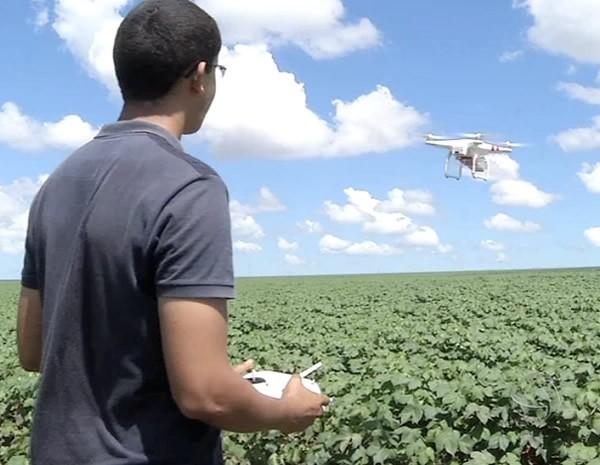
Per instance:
{"type": "Point", "coordinates": [585, 94]}
{"type": "Point", "coordinates": [334, 245]}
{"type": "Point", "coordinates": [264, 123]}
{"type": "Point", "coordinates": [286, 245]}
{"type": "Point", "coordinates": [381, 217]}
{"type": "Point", "coordinates": [567, 28]}
{"type": "Point", "coordinates": [89, 28]}
{"type": "Point", "coordinates": [243, 224]}
{"type": "Point", "coordinates": [503, 222]}
{"type": "Point", "coordinates": [593, 235]}
{"type": "Point", "coordinates": [492, 246]}
{"type": "Point", "coordinates": [423, 236]}
{"type": "Point", "coordinates": [410, 202]}
{"type": "Point", "coordinates": [509, 189]}
{"type": "Point", "coordinates": [502, 166]}
{"type": "Point", "coordinates": [317, 26]}
{"type": "Point", "coordinates": [310, 227]}
{"type": "Point", "coordinates": [22, 132]}
{"type": "Point", "coordinates": [502, 257]}
{"type": "Point", "coordinates": [15, 200]}
{"type": "Point", "coordinates": [269, 202]}
{"type": "Point", "coordinates": [294, 259]}
{"type": "Point", "coordinates": [507, 57]}
{"type": "Point", "coordinates": [246, 247]}
{"type": "Point", "coordinates": [590, 176]}
{"type": "Point", "coordinates": [346, 213]}
{"type": "Point", "coordinates": [42, 15]}
{"type": "Point", "coordinates": [520, 193]}
{"type": "Point", "coordinates": [580, 138]}
{"type": "Point", "coordinates": [389, 223]}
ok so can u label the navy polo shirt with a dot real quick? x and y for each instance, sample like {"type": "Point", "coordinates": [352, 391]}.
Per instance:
{"type": "Point", "coordinates": [125, 219]}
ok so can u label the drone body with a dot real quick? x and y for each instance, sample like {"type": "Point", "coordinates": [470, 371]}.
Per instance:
{"type": "Point", "coordinates": [470, 151]}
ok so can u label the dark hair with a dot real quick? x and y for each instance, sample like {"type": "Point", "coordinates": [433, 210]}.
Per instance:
{"type": "Point", "coordinates": [158, 42]}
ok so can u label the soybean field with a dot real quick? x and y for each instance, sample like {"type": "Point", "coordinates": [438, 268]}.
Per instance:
{"type": "Point", "coordinates": [477, 368]}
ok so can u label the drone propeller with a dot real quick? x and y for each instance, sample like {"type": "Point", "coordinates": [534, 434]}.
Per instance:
{"type": "Point", "coordinates": [514, 144]}
{"type": "Point", "coordinates": [473, 135]}
{"type": "Point", "coordinates": [435, 137]}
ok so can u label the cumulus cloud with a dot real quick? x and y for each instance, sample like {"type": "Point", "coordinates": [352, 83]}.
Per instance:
{"type": "Point", "coordinates": [509, 56]}
{"type": "Point", "coordinates": [330, 244]}
{"type": "Point", "coordinates": [413, 202]}
{"type": "Point", "coordinates": [246, 247]}
{"type": "Point", "coordinates": [520, 193]}
{"type": "Point", "coordinates": [269, 202]}
{"type": "Point", "coordinates": [89, 28]}
{"type": "Point", "coordinates": [565, 28]}
{"type": "Point", "coordinates": [502, 258]}
{"type": "Point", "coordinates": [509, 189]}
{"type": "Point", "coordinates": [492, 246]}
{"type": "Point", "coordinates": [382, 217]}
{"type": "Point", "coordinates": [42, 14]}
{"type": "Point", "coordinates": [264, 123]}
{"type": "Point", "coordinates": [15, 200]}
{"type": "Point", "coordinates": [286, 246]}
{"type": "Point", "coordinates": [593, 235]}
{"type": "Point", "coordinates": [423, 236]}
{"type": "Point", "coordinates": [503, 222]}
{"type": "Point", "coordinates": [310, 227]}
{"type": "Point", "coordinates": [244, 225]}
{"type": "Point", "coordinates": [590, 176]}
{"type": "Point", "coordinates": [319, 27]}
{"type": "Point", "coordinates": [294, 260]}
{"type": "Point", "coordinates": [243, 222]}
{"type": "Point", "coordinates": [585, 94]}
{"type": "Point", "coordinates": [21, 132]}
{"type": "Point", "coordinates": [579, 139]}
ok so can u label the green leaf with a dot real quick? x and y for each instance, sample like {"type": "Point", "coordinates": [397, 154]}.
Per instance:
{"type": "Point", "coordinates": [447, 440]}
{"type": "Point", "coordinates": [483, 413]}
{"type": "Point", "coordinates": [382, 455]}
{"type": "Point", "coordinates": [411, 413]}
{"type": "Point", "coordinates": [481, 458]}
{"type": "Point", "coordinates": [18, 460]}
{"type": "Point", "coordinates": [510, 459]}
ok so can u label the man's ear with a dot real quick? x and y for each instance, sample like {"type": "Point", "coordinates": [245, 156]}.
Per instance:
{"type": "Point", "coordinates": [197, 82]}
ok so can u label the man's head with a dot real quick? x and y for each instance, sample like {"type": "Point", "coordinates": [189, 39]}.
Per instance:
{"type": "Point", "coordinates": [165, 50]}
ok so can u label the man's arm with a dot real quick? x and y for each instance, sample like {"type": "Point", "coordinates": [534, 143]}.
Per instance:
{"type": "Point", "coordinates": [29, 330]}
{"type": "Point", "coordinates": [203, 383]}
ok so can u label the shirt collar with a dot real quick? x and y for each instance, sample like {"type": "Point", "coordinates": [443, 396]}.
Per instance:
{"type": "Point", "coordinates": [137, 126]}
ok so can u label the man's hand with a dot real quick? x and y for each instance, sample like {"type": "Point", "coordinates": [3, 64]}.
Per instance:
{"type": "Point", "coordinates": [244, 368]}
{"type": "Point", "coordinates": [303, 406]}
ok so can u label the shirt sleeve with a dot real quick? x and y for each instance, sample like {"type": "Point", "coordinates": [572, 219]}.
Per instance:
{"type": "Point", "coordinates": [193, 255]}
{"type": "Point", "coordinates": [29, 276]}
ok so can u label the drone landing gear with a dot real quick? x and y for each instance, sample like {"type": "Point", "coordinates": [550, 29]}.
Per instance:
{"type": "Point", "coordinates": [453, 167]}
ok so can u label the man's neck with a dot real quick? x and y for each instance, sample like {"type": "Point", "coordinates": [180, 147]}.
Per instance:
{"type": "Point", "coordinates": [172, 122]}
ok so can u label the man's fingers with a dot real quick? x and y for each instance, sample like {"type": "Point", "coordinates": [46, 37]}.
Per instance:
{"type": "Point", "coordinates": [245, 367]}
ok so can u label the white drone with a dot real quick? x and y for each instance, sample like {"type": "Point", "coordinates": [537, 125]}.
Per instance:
{"type": "Point", "coordinates": [470, 151]}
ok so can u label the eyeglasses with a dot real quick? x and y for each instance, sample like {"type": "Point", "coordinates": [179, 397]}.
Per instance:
{"type": "Point", "coordinates": [192, 68]}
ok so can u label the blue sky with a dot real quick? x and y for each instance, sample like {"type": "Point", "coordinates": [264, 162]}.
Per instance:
{"type": "Point", "coordinates": [289, 154]}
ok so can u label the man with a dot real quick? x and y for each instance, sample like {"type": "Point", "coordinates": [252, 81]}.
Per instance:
{"type": "Point", "coordinates": [128, 268]}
